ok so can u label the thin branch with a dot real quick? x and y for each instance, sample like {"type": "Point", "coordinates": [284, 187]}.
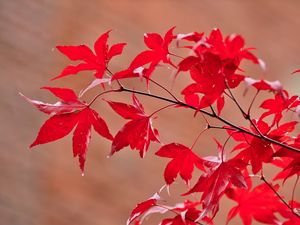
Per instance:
{"type": "Point", "coordinates": [160, 109]}
{"type": "Point", "coordinates": [166, 99]}
{"type": "Point", "coordinates": [222, 128]}
{"type": "Point", "coordinates": [178, 56]}
{"type": "Point", "coordinates": [213, 115]}
{"type": "Point", "coordinates": [111, 73]}
{"type": "Point", "coordinates": [278, 195]}
{"type": "Point", "coordinates": [198, 136]}
{"type": "Point", "coordinates": [159, 85]}
{"type": "Point", "coordinates": [245, 115]}
{"type": "Point", "coordinates": [251, 104]}
{"type": "Point", "coordinates": [260, 135]}
{"type": "Point", "coordinates": [102, 93]}
{"type": "Point", "coordinates": [225, 143]}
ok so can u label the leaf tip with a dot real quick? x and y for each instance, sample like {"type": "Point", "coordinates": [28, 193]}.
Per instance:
{"type": "Point", "coordinates": [296, 71]}
{"type": "Point", "coordinates": [33, 144]}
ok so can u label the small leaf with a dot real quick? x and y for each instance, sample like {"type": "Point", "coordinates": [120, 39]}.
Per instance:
{"type": "Point", "coordinates": [183, 162]}
{"type": "Point", "coordinates": [142, 208]}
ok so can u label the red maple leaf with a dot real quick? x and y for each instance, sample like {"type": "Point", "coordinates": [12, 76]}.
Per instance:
{"type": "Point", "coordinates": [292, 219]}
{"type": "Point", "coordinates": [68, 114]}
{"type": "Point", "coordinates": [252, 149]}
{"type": "Point", "coordinates": [142, 208]}
{"type": "Point", "coordinates": [183, 162]}
{"type": "Point", "coordinates": [213, 183]}
{"type": "Point", "coordinates": [188, 214]}
{"type": "Point", "coordinates": [138, 132]}
{"type": "Point", "coordinates": [97, 61]}
{"type": "Point", "coordinates": [213, 67]}
{"type": "Point", "coordinates": [69, 102]}
{"type": "Point", "coordinates": [159, 51]}
{"type": "Point", "coordinates": [263, 85]}
{"type": "Point", "coordinates": [260, 203]}
{"type": "Point", "coordinates": [193, 37]}
{"type": "Point", "coordinates": [281, 102]}
{"type": "Point", "coordinates": [289, 161]}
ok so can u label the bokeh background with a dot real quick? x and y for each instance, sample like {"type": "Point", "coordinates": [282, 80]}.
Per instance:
{"type": "Point", "coordinates": [44, 186]}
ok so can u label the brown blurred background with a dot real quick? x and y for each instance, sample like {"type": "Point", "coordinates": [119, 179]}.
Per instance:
{"type": "Point", "coordinates": [44, 186]}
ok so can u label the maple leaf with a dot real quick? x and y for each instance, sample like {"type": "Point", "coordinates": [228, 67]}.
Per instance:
{"type": "Point", "coordinates": [211, 76]}
{"type": "Point", "coordinates": [142, 208]}
{"type": "Point", "coordinates": [274, 86]}
{"type": "Point", "coordinates": [278, 105]}
{"type": "Point", "coordinates": [183, 162]}
{"type": "Point", "coordinates": [213, 67]}
{"type": "Point", "coordinates": [159, 51]}
{"type": "Point", "coordinates": [188, 218]}
{"type": "Point", "coordinates": [252, 149]}
{"type": "Point", "coordinates": [193, 37]}
{"type": "Point", "coordinates": [209, 81]}
{"type": "Point", "coordinates": [68, 114]}
{"type": "Point", "coordinates": [138, 132]}
{"type": "Point", "coordinates": [69, 102]}
{"type": "Point", "coordinates": [256, 150]}
{"type": "Point", "coordinates": [188, 214]}
{"type": "Point", "coordinates": [213, 183]}
{"type": "Point", "coordinates": [292, 219]}
{"type": "Point", "coordinates": [229, 48]}
{"type": "Point", "coordinates": [289, 167]}
{"type": "Point", "coordinates": [289, 161]}
{"type": "Point", "coordinates": [97, 61]}
{"type": "Point", "coordinates": [260, 203]}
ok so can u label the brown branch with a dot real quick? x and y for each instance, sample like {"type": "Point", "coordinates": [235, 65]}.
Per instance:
{"type": "Point", "coordinates": [278, 195]}
{"type": "Point", "coordinates": [212, 115]}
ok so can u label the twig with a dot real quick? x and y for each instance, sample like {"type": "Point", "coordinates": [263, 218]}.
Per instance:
{"type": "Point", "coordinates": [278, 195]}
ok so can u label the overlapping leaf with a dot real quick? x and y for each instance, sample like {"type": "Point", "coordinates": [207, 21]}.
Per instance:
{"type": "Point", "coordinates": [252, 149]}
{"type": "Point", "coordinates": [188, 214]}
{"type": "Point", "coordinates": [260, 204]}
{"type": "Point", "coordinates": [183, 162]}
{"type": "Point", "coordinates": [66, 115]}
{"type": "Point", "coordinates": [143, 207]}
{"type": "Point", "coordinates": [281, 102]}
{"type": "Point", "coordinates": [138, 132]}
{"type": "Point", "coordinates": [213, 183]}
{"type": "Point", "coordinates": [213, 67]}
{"type": "Point", "coordinates": [289, 161]}
{"type": "Point", "coordinates": [69, 102]}
{"type": "Point", "coordinates": [159, 52]}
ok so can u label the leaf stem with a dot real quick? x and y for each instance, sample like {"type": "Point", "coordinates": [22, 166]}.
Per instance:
{"type": "Point", "coordinates": [159, 85]}
{"type": "Point", "coordinates": [251, 104]}
{"type": "Point", "coordinates": [102, 93]}
{"type": "Point", "coordinates": [160, 109]}
{"type": "Point", "coordinates": [197, 138]}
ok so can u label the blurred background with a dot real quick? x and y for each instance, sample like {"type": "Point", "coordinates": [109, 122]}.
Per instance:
{"type": "Point", "coordinates": [44, 186]}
